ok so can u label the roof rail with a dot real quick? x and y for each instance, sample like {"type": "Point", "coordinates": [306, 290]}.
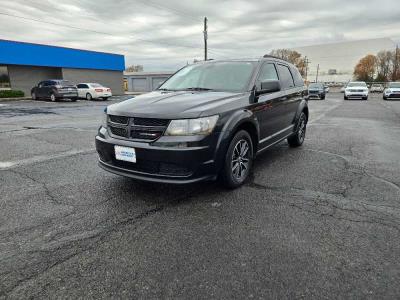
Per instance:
{"type": "Point", "coordinates": [272, 56]}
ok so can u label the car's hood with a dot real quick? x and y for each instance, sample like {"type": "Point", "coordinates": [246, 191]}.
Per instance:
{"type": "Point", "coordinates": [175, 105]}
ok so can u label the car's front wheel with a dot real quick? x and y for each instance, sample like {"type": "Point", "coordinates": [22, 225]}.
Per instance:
{"type": "Point", "coordinates": [298, 137]}
{"type": "Point", "coordinates": [33, 96]}
{"type": "Point", "coordinates": [345, 97]}
{"type": "Point", "coordinates": [53, 98]}
{"type": "Point", "coordinates": [238, 160]}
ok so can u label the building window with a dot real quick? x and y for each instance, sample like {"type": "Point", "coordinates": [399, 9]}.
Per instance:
{"type": "Point", "coordinates": [4, 78]}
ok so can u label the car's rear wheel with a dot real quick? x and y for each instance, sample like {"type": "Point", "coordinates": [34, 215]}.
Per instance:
{"type": "Point", "coordinates": [298, 137]}
{"type": "Point", "coordinates": [53, 98]}
{"type": "Point", "coordinates": [238, 160]}
{"type": "Point", "coordinates": [33, 96]}
{"type": "Point", "coordinates": [89, 96]}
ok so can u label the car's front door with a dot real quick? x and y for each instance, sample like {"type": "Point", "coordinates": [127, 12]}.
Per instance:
{"type": "Point", "coordinates": [267, 106]}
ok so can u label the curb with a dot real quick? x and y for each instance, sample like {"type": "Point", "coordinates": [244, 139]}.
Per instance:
{"type": "Point", "coordinates": [15, 99]}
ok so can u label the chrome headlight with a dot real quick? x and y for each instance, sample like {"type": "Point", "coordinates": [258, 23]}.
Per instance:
{"type": "Point", "coordinates": [200, 126]}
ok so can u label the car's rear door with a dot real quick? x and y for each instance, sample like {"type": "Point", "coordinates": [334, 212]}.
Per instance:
{"type": "Point", "coordinates": [267, 107]}
{"type": "Point", "coordinates": [292, 95]}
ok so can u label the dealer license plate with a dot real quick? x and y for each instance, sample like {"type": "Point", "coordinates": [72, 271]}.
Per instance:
{"type": "Point", "coordinates": [125, 153]}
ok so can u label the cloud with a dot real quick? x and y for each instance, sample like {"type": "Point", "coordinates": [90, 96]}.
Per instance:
{"type": "Point", "coordinates": [167, 34]}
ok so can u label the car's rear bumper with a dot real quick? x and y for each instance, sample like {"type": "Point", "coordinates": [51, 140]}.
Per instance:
{"type": "Point", "coordinates": [160, 164]}
{"type": "Point", "coordinates": [102, 95]}
{"type": "Point", "coordinates": [66, 95]}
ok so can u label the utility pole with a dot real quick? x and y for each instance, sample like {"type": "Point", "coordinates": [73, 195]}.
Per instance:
{"type": "Point", "coordinates": [316, 78]}
{"type": "Point", "coordinates": [306, 61]}
{"type": "Point", "coordinates": [396, 64]}
{"type": "Point", "coordinates": [205, 38]}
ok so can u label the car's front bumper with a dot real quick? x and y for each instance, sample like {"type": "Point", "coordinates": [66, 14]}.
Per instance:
{"type": "Point", "coordinates": [356, 94]}
{"type": "Point", "coordinates": [392, 95]}
{"type": "Point", "coordinates": [158, 162]}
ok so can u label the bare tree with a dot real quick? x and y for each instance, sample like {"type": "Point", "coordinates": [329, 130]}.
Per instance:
{"type": "Point", "coordinates": [384, 65]}
{"type": "Point", "coordinates": [134, 68]}
{"type": "Point", "coordinates": [291, 56]}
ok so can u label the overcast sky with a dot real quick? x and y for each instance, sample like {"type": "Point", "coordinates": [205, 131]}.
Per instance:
{"type": "Point", "coordinates": [165, 34]}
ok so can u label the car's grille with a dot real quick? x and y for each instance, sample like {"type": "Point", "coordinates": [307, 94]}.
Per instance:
{"type": "Point", "coordinates": [153, 167]}
{"type": "Point", "coordinates": [313, 92]}
{"type": "Point", "coordinates": [356, 91]}
{"type": "Point", "coordinates": [146, 129]}
{"type": "Point", "coordinates": [118, 119]}
{"type": "Point", "coordinates": [122, 132]}
{"type": "Point", "coordinates": [150, 122]}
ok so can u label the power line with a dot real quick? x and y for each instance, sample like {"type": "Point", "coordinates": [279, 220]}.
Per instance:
{"type": "Point", "coordinates": [98, 32]}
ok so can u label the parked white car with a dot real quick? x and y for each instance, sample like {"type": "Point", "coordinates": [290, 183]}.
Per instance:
{"type": "Point", "coordinates": [392, 91]}
{"type": "Point", "coordinates": [356, 89]}
{"type": "Point", "coordinates": [376, 88]}
{"type": "Point", "coordinates": [91, 91]}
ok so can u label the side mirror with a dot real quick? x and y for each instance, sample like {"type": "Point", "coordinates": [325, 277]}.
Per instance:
{"type": "Point", "coordinates": [269, 86]}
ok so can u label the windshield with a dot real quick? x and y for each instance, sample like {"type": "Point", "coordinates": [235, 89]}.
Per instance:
{"type": "Point", "coordinates": [352, 84]}
{"type": "Point", "coordinates": [219, 76]}
{"type": "Point", "coordinates": [315, 85]}
{"type": "Point", "coordinates": [394, 85]}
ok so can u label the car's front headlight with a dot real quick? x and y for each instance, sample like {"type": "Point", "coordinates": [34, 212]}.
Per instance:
{"type": "Point", "coordinates": [200, 126]}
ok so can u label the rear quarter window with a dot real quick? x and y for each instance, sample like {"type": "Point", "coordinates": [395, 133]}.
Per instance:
{"type": "Point", "coordinates": [298, 79]}
{"type": "Point", "coordinates": [285, 76]}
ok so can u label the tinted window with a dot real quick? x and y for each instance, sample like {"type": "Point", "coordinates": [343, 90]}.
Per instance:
{"type": "Point", "coordinates": [298, 80]}
{"type": "Point", "coordinates": [46, 83]}
{"type": "Point", "coordinates": [267, 72]}
{"type": "Point", "coordinates": [285, 77]}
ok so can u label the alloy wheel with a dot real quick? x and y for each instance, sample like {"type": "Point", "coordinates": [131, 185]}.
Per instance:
{"type": "Point", "coordinates": [302, 129]}
{"type": "Point", "coordinates": [240, 160]}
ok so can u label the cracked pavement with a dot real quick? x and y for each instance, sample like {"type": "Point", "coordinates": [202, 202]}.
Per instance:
{"type": "Point", "coordinates": [321, 221]}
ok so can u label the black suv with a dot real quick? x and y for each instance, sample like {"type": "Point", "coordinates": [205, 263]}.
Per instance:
{"type": "Point", "coordinates": [208, 121]}
{"type": "Point", "coordinates": [54, 89]}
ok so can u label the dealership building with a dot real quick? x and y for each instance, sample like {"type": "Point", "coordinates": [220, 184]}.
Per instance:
{"type": "Point", "coordinates": [335, 62]}
{"type": "Point", "coordinates": [23, 65]}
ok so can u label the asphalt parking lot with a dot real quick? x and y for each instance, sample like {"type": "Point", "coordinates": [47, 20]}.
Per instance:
{"type": "Point", "coordinates": [320, 221]}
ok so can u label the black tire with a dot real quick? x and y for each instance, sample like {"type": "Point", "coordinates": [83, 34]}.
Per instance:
{"type": "Point", "coordinates": [345, 98]}
{"type": "Point", "coordinates": [384, 98]}
{"type": "Point", "coordinates": [34, 96]}
{"type": "Point", "coordinates": [105, 98]}
{"type": "Point", "coordinates": [237, 165]}
{"type": "Point", "coordinates": [323, 97]}
{"type": "Point", "coordinates": [365, 98]}
{"type": "Point", "coordinates": [297, 139]}
{"type": "Point", "coordinates": [89, 96]}
{"type": "Point", "coordinates": [74, 99]}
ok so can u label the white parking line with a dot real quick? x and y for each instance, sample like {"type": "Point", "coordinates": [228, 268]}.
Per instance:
{"type": "Point", "coordinates": [4, 165]}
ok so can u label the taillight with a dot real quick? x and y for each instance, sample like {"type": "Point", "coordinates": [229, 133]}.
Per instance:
{"type": "Point", "coordinates": [98, 90]}
{"type": "Point", "coordinates": [108, 90]}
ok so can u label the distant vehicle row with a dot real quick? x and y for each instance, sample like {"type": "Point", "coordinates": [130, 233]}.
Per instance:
{"type": "Point", "coordinates": [55, 89]}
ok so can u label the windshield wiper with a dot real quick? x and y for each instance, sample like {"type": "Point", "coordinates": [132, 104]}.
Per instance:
{"type": "Point", "coordinates": [197, 89]}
